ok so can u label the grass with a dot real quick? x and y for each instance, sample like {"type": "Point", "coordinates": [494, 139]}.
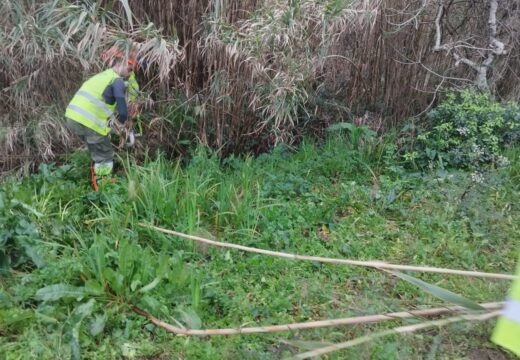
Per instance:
{"type": "Point", "coordinates": [331, 199]}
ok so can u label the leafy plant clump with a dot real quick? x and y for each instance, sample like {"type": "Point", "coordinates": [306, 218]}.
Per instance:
{"type": "Point", "coordinates": [80, 270]}
{"type": "Point", "coordinates": [468, 130]}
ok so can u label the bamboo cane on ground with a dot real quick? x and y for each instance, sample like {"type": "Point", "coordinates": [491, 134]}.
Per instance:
{"type": "Point", "coordinates": [372, 264]}
{"type": "Point", "coordinates": [397, 330]}
{"type": "Point", "coordinates": [311, 324]}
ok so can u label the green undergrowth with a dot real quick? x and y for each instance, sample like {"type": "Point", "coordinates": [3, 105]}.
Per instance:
{"type": "Point", "coordinates": [74, 263]}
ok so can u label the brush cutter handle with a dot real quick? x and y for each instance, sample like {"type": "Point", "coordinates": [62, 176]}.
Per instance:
{"type": "Point", "coordinates": [130, 140]}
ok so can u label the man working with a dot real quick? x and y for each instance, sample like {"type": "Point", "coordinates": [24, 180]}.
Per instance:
{"type": "Point", "coordinates": [92, 108]}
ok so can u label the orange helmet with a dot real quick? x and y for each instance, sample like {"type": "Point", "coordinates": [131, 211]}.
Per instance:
{"type": "Point", "coordinates": [114, 53]}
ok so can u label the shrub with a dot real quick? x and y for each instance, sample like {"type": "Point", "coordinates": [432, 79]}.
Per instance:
{"type": "Point", "coordinates": [468, 130]}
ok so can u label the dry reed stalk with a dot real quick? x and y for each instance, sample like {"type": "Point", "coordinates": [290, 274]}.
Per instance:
{"type": "Point", "coordinates": [311, 324]}
{"type": "Point", "coordinates": [371, 264]}
{"type": "Point", "coordinates": [398, 330]}
{"type": "Point", "coordinates": [391, 73]}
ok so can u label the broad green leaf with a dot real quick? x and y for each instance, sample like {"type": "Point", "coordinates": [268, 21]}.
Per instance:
{"type": "Point", "coordinates": [15, 317]}
{"type": "Point", "coordinates": [97, 259]}
{"type": "Point", "coordinates": [150, 327]}
{"type": "Point", "coordinates": [191, 319]}
{"type": "Point", "coordinates": [94, 287]}
{"type": "Point", "coordinates": [74, 323]}
{"type": "Point", "coordinates": [150, 286]}
{"type": "Point", "coordinates": [32, 210]}
{"type": "Point", "coordinates": [163, 269]}
{"type": "Point", "coordinates": [128, 253]}
{"type": "Point", "coordinates": [135, 284]}
{"type": "Point", "coordinates": [98, 325]}
{"type": "Point", "coordinates": [59, 291]}
{"type": "Point", "coordinates": [341, 126]}
{"type": "Point", "coordinates": [115, 280]}
{"type": "Point", "coordinates": [46, 319]}
{"type": "Point", "coordinates": [85, 310]}
{"type": "Point", "coordinates": [75, 349]}
{"type": "Point", "coordinates": [151, 303]}
{"type": "Point", "coordinates": [33, 254]}
{"type": "Point", "coordinates": [128, 350]}
{"type": "Point", "coordinates": [439, 292]}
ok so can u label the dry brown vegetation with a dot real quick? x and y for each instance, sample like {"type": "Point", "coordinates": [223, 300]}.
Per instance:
{"type": "Point", "coordinates": [246, 75]}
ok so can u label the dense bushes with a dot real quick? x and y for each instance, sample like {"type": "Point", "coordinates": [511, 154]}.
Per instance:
{"type": "Point", "coordinates": [467, 130]}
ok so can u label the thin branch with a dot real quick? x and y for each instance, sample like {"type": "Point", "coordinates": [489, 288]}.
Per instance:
{"type": "Point", "coordinates": [419, 62]}
{"type": "Point", "coordinates": [311, 324]}
{"type": "Point", "coordinates": [413, 18]}
{"type": "Point", "coordinates": [430, 105]}
{"type": "Point", "coordinates": [397, 330]}
{"type": "Point", "coordinates": [438, 28]}
{"type": "Point", "coordinates": [372, 264]}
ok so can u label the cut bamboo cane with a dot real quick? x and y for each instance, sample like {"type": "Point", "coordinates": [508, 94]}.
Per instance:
{"type": "Point", "coordinates": [372, 264]}
{"type": "Point", "coordinates": [397, 330]}
{"type": "Point", "coordinates": [311, 324]}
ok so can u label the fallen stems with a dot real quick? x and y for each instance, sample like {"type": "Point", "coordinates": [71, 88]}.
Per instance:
{"type": "Point", "coordinates": [311, 324]}
{"type": "Point", "coordinates": [372, 264]}
{"type": "Point", "coordinates": [397, 330]}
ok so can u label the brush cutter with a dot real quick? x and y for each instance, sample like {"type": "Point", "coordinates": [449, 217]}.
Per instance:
{"type": "Point", "coordinates": [131, 135]}
{"type": "Point", "coordinates": [130, 139]}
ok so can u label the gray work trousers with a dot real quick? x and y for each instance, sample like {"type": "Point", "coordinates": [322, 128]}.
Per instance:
{"type": "Point", "coordinates": [99, 146]}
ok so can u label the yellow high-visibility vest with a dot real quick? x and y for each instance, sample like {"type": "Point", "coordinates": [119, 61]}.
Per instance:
{"type": "Point", "coordinates": [507, 330]}
{"type": "Point", "coordinates": [88, 107]}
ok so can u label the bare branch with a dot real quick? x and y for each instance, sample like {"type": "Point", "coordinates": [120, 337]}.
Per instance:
{"type": "Point", "coordinates": [438, 28]}
{"type": "Point", "coordinates": [414, 18]}
{"type": "Point", "coordinates": [495, 47]}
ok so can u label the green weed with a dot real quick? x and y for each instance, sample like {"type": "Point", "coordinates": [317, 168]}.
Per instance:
{"type": "Point", "coordinates": [329, 199]}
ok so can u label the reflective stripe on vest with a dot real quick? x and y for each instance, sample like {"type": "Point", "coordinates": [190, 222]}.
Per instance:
{"type": "Point", "coordinates": [95, 101]}
{"type": "Point", "coordinates": [87, 115]}
{"type": "Point", "coordinates": [512, 311]}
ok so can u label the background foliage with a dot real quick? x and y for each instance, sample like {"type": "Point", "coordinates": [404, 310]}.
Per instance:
{"type": "Point", "coordinates": [319, 83]}
{"type": "Point", "coordinates": [468, 130]}
{"type": "Point", "coordinates": [76, 262]}
{"type": "Point", "coordinates": [239, 75]}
